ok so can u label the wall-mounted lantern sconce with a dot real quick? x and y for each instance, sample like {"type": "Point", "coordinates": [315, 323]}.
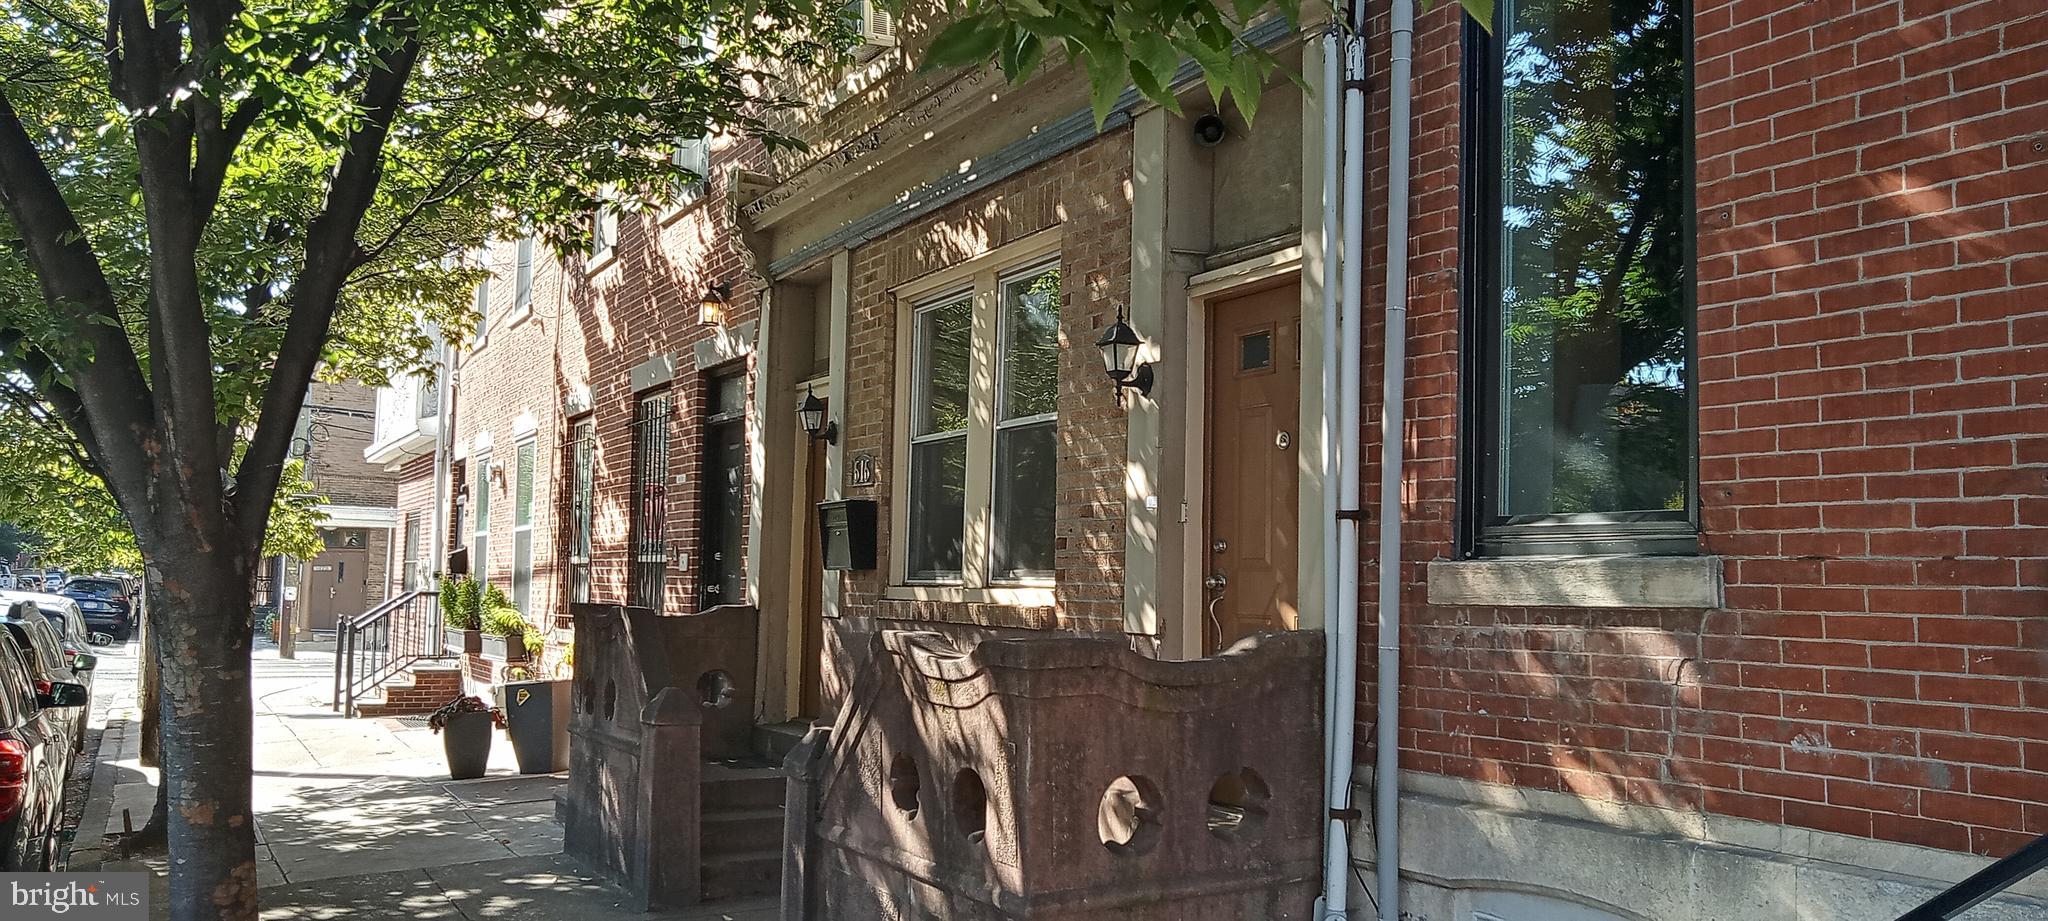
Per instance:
{"type": "Point", "coordinates": [811, 412]}
{"type": "Point", "coordinates": [1120, 345]}
{"type": "Point", "coordinates": [712, 311]}
{"type": "Point", "coordinates": [498, 472]}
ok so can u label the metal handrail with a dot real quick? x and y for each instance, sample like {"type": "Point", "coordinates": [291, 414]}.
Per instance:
{"type": "Point", "coordinates": [364, 653]}
{"type": "Point", "coordinates": [1984, 884]}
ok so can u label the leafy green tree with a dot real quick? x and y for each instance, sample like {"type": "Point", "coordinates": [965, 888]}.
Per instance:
{"type": "Point", "coordinates": [1125, 43]}
{"type": "Point", "coordinates": [207, 201]}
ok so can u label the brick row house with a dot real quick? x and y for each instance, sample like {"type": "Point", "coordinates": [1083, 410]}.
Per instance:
{"type": "Point", "coordinates": [1723, 564]}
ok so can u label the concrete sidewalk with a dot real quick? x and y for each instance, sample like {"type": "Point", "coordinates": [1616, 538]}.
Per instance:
{"type": "Point", "coordinates": [357, 818]}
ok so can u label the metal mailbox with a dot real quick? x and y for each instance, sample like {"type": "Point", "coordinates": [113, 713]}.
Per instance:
{"type": "Point", "coordinates": [847, 531]}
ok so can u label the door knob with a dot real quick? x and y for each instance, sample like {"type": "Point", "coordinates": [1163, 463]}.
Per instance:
{"type": "Point", "coordinates": [1216, 582]}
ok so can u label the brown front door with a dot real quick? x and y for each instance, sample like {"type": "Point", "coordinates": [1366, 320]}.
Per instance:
{"type": "Point", "coordinates": [1254, 414]}
{"type": "Point", "coordinates": [336, 583]}
{"type": "Point", "coordinates": [812, 668]}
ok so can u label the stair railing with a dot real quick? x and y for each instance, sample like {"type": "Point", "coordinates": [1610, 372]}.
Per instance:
{"type": "Point", "coordinates": [1984, 884]}
{"type": "Point", "coordinates": [375, 646]}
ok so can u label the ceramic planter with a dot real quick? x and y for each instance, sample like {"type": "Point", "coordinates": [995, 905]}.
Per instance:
{"type": "Point", "coordinates": [461, 641]}
{"type": "Point", "coordinates": [504, 648]}
{"type": "Point", "coordinates": [467, 742]}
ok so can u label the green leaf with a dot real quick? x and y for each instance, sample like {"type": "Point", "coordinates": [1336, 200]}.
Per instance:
{"type": "Point", "coordinates": [966, 42]}
{"type": "Point", "coordinates": [1021, 55]}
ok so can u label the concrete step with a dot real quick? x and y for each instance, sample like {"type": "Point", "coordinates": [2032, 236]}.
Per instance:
{"type": "Point", "coordinates": [729, 876]}
{"type": "Point", "coordinates": [774, 741]}
{"type": "Point", "coordinates": [726, 787]}
{"type": "Point", "coordinates": [738, 831]}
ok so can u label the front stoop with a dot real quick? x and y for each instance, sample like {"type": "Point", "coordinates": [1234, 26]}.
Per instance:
{"type": "Point", "coordinates": [423, 689]}
{"type": "Point", "coordinates": [742, 831]}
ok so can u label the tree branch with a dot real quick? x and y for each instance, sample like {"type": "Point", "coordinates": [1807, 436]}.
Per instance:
{"type": "Point", "coordinates": [113, 398]}
{"type": "Point", "coordinates": [331, 251]}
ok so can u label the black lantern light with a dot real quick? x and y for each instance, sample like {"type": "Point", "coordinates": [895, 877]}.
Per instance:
{"type": "Point", "coordinates": [712, 311]}
{"type": "Point", "coordinates": [1120, 345]}
{"type": "Point", "coordinates": [811, 412]}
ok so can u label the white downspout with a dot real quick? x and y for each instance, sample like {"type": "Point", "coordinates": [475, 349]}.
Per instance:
{"type": "Point", "coordinates": [1343, 696]}
{"type": "Point", "coordinates": [444, 394]}
{"type": "Point", "coordinates": [1340, 654]}
{"type": "Point", "coordinates": [1393, 435]}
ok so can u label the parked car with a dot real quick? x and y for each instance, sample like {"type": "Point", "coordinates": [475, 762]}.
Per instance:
{"type": "Point", "coordinates": [65, 617]}
{"type": "Point", "coordinates": [106, 603]}
{"type": "Point", "coordinates": [35, 756]}
{"type": "Point", "coordinates": [49, 667]}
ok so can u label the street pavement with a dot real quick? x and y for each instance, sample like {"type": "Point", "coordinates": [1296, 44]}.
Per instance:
{"type": "Point", "coordinates": [356, 818]}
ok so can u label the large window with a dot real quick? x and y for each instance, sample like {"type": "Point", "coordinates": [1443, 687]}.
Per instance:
{"type": "Point", "coordinates": [1581, 297]}
{"type": "Point", "coordinates": [522, 277]}
{"type": "Point", "coordinates": [984, 431]}
{"type": "Point", "coordinates": [650, 502]}
{"type": "Point", "coordinates": [522, 528]}
{"type": "Point", "coordinates": [480, 501]}
{"type": "Point", "coordinates": [583, 460]}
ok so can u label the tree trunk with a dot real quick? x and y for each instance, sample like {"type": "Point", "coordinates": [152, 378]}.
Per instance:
{"type": "Point", "coordinates": [147, 700]}
{"type": "Point", "coordinates": [200, 602]}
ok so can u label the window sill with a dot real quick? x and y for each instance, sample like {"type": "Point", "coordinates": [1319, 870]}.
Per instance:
{"type": "Point", "coordinates": [519, 316]}
{"type": "Point", "coordinates": [600, 261]}
{"type": "Point", "coordinates": [1008, 596]}
{"type": "Point", "coordinates": [669, 214]}
{"type": "Point", "coordinates": [1579, 582]}
{"type": "Point", "coordinates": [969, 613]}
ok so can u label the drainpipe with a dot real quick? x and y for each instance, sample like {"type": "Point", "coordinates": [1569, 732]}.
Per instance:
{"type": "Point", "coordinates": [1393, 434]}
{"type": "Point", "coordinates": [444, 413]}
{"type": "Point", "coordinates": [1343, 635]}
{"type": "Point", "coordinates": [1332, 96]}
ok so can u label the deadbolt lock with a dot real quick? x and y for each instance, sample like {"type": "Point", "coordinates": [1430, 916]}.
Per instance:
{"type": "Point", "coordinates": [1219, 546]}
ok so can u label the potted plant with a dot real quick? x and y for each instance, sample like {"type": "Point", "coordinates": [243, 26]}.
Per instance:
{"type": "Point", "coordinates": [465, 725]}
{"type": "Point", "coordinates": [504, 634]}
{"type": "Point", "coordinates": [461, 620]}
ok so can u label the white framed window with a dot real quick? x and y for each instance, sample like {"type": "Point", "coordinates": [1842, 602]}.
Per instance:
{"type": "Point", "coordinates": [694, 156]}
{"type": "Point", "coordinates": [522, 526]}
{"type": "Point", "coordinates": [604, 234]}
{"type": "Point", "coordinates": [522, 278]}
{"type": "Point", "coordinates": [980, 356]}
{"type": "Point", "coordinates": [482, 305]}
{"type": "Point", "coordinates": [480, 503]}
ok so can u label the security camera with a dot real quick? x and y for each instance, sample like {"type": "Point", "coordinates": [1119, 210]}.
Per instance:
{"type": "Point", "coordinates": [1210, 130]}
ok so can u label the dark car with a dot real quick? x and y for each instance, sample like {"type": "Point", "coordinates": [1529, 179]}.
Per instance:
{"type": "Point", "coordinates": [34, 757]}
{"type": "Point", "coordinates": [48, 666]}
{"type": "Point", "coordinates": [105, 603]}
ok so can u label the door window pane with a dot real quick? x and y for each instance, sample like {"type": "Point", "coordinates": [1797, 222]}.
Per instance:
{"type": "Point", "coordinates": [1024, 499]}
{"type": "Point", "coordinates": [1592, 373]}
{"type": "Point", "coordinates": [1031, 344]}
{"type": "Point", "coordinates": [938, 508]}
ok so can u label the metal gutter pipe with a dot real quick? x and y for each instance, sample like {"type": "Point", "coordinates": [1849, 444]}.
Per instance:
{"type": "Point", "coordinates": [1393, 435]}
{"type": "Point", "coordinates": [1344, 622]}
{"type": "Point", "coordinates": [1337, 648]}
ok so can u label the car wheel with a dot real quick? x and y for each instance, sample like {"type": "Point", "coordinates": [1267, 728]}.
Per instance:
{"type": "Point", "coordinates": [121, 635]}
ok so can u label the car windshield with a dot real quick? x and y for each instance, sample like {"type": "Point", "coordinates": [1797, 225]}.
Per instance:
{"type": "Point", "coordinates": [97, 588]}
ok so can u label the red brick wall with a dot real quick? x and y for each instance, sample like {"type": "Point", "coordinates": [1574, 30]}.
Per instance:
{"type": "Point", "coordinates": [644, 303]}
{"type": "Point", "coordinates": [512, 371]}
{"type": "Point", "coordinates": [1873, 380]}
{"type": "Point", "coordinates": [1085, 192]}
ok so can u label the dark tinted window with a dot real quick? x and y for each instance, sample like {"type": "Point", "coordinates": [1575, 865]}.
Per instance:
{"type": "Point", "coordinates": [37, 635]}
{"type": "Point", "coordinates": [98, 588]}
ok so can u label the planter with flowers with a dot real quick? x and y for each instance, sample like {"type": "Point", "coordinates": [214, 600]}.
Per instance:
{"type": "Point", "coordinates": [461, 615]}
{"type": "Point", "coordinates": [504, 634]}
{"type": "Point", "coordinates": [465, 725]}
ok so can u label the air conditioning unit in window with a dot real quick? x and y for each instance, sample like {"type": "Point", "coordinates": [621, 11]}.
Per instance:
{"type": "Point", "coordinates": [877, 27]}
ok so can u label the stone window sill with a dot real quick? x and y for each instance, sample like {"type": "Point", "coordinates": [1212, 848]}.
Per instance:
{"type": "Point", "coordinates": [1579, 582]}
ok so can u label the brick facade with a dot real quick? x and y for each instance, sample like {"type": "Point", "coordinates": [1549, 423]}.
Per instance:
{"type": "Point", "coordinates": [640, 304]}
{"type": "Point", "coordinates": [338, 423]}
{"type": "Point", "coordinates": [1872, 210]}
{"type": "Point", "coordinates": [1084, 194]}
